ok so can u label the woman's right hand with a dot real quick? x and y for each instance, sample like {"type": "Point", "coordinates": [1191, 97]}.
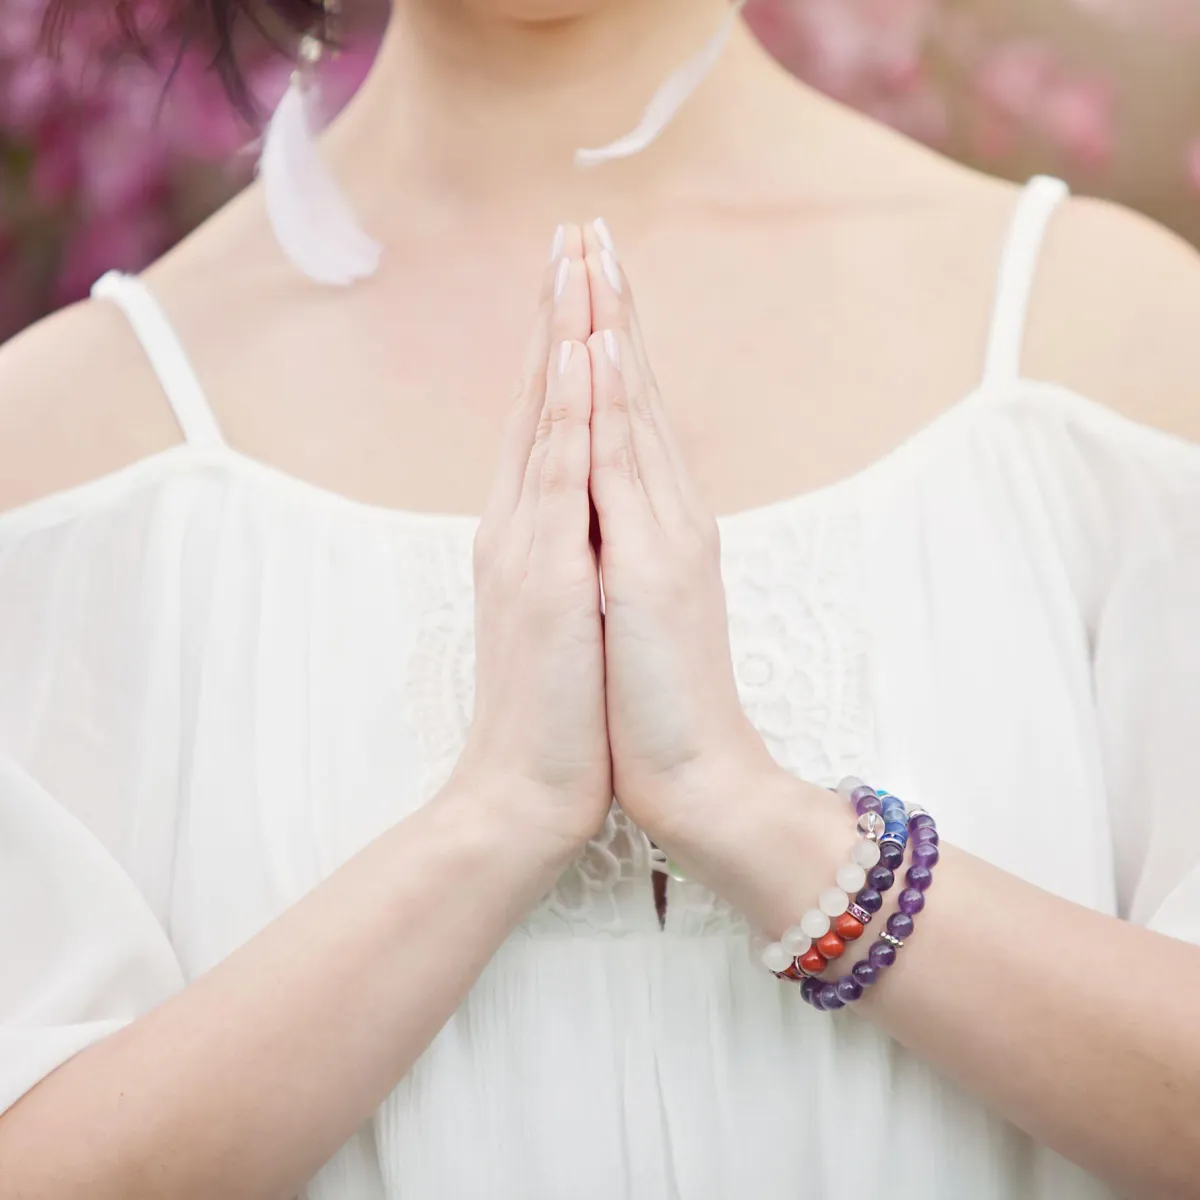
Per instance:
{"type": "Point", "coordinates": [539, 731]}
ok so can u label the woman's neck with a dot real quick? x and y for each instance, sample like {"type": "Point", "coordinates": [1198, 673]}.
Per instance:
{"type": "Point", "coordinates": [465, 106]}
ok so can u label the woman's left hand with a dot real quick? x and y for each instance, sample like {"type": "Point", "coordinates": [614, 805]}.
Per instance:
{"type": "Point", "coordinates": [676, 724]}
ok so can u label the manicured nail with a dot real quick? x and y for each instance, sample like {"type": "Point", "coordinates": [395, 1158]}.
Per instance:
{"type": "Point", "coordinates": [560, 280]}
{"type": "Point", "coordinates": [600, 225]}
{"type": "Point", "coordinates": [556, 246]}
{"type": "Point", "coordinates": [611, 271]}
{"type": "Point", "coordinates": [564, 358]}
{"type": "Point", "coordinates": [612, 349]}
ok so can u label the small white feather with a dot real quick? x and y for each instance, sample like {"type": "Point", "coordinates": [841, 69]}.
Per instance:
{"type": "Point", "coordinates": [312, 219]}
{"type": "Point", "coordinates": [668, 100]}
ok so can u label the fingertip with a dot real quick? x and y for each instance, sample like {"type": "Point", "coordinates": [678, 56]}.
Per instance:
{"type": "Point", "coordinates": [573, 246]}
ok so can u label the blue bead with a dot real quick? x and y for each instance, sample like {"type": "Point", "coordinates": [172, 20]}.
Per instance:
{"type": "Point", "coordinates": [895, 829]}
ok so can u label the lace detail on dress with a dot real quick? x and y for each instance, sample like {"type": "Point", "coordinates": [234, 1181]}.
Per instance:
{"type": "Point", "coordinates": [800, 661]}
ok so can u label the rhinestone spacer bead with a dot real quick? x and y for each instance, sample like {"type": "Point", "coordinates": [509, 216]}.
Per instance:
{"type": "Point", "coordinates": [859, 914]}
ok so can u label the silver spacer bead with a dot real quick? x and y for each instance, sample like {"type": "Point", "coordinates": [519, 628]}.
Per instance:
{"type": "Point", "coordinates": [917, 811]}
{"type": "Point", "coordinates": [891, 941]}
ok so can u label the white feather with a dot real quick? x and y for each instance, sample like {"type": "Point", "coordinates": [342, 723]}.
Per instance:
{"type": "Point", "coordinates": [668, 100]}
{"type": "Point", "coordinates": [312, 219]}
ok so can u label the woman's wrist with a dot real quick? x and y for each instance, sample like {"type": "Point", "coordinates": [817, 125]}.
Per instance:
{"type": "Point", "coordinates": [543, 827]}
{"type": "Point", "coordinates": [756, 835]}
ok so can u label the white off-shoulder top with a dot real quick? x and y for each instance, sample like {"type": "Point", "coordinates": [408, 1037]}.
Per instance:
{"type": "Point", "coordinates": [218, 682]}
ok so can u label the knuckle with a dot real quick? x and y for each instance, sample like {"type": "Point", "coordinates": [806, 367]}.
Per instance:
{"type": "Point", "coordinates": [641, 404]}
{"type": "Point", "coordinates": [620, 461]}
{"type": "Point", "coordinates": [558, 412]}
{"type": "Point", "coordinates": [554, 477]}
{"type": "Point", "coordinates": [545, 427]}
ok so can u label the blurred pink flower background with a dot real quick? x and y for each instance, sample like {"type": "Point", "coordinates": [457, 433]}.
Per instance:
{"type": "Point", "coordinates": [101, 167]}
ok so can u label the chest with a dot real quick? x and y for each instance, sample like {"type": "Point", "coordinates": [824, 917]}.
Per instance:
{"type": "Point", "coordinates": [778, 345]}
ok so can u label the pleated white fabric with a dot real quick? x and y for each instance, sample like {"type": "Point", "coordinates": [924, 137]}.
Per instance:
{"type": "Point", "coordinates": [218, 681]}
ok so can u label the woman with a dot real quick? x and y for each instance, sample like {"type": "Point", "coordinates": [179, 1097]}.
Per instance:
{"type": "Point", "coordinates": [311, 884]}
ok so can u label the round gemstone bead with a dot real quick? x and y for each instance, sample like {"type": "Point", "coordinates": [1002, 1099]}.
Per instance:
{"type": "Point", "coordinates": [758, 943]}
{"type": "Point", "coordinates": [815, 923]}
{"type": "Point", "coordinates": [868, 804]}
{"type": "Point", "coordinates": [830, 1000]}
{"type": "Point", "coordinates": [880, 878]}
{"type": "Point", "coordinates": [870, 824]}
{"type": "Point", "coordinates": [848, 989]}
{"type": "Point", "coordinates": [807, 988]}
{"type": "Point", "coordinates": [919, 878]}
{"type": "Point", "coordinates": [911, 901]}
{"type": "Point", "coordinates": [831, 946]}
{"type": "Point", "coordinates": [776, 958]}
{"type": "Point", "coordinates": [795, 941]}
{"type": "Point", "coordinates": [926, 834]}
{"type": "Point", "coordinates": [849, 786]}
{"type": "Point", "coordinates": [865, 973]}
{"type": "Point", "coordinates": [900, 925]}
{"type": "Point", "coordinates": [833, 901]}
{"type": "Point", "coordinates": [891, 855]}
{"type": "Point", "coordinates": [863, 792]}
{"type": "Point", "coordinates": [882, 956]}
{"type": "Point", "coordinates": [895, 829]}
{"type": "Point", "coordinates": [851, 877]}
{"type": "Point", "coordinates": [869, 900]}
{"type": "Point", "coordinates": [865, 854]}
{"type": "Point", "coordinates": [849, 928]}
{"type": "Point", "coordinates": [920, 820]}
{"type": "Point", "coordinates": [925, 855]}
{"type": "Point", "coordinates": [813, 961]}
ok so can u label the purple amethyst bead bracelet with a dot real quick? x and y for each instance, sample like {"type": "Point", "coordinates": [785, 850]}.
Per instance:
{"type": "Point", "coordinates": [900, 829]}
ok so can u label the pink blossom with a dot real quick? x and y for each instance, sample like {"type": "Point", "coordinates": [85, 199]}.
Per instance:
{"type": "Point", "coordinates": [1078, 115]}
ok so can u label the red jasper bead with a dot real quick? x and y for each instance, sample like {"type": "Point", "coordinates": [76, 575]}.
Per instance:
{"type": "Point", "coordinates": [831, 946]}
{"type": "Point", "coordinates": [813, 961]}
{"type": "Point", "coordinates": [848, 928]}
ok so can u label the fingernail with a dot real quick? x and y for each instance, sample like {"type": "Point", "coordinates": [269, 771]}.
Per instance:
{"type": "Point", "coordinates": [600, 225]}
{"type": "Point", "coordinates": [560, 280]}
{"type": "Point", "coordinates": [556, 246]}
{"type": "Point", "coordinates": [564, 358]}
{"type": "Point", "coordinates": [611, 271]}
{"type": "Point", "coordinates": [612, 349]}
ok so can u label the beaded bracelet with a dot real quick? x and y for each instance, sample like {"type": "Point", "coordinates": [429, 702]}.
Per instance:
{"type": "Point", "coordinates": [806, 949]}
{"type": "Point", "coordinates": [828, 997]}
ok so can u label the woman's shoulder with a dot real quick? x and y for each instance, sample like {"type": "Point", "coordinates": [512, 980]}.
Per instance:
{"type": "Point", "coordinates": [1115, 316]}
{"type": "Point", "coordinates": [78, 401]}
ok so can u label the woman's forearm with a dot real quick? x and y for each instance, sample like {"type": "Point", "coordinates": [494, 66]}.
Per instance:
{"type": "Point", "coordinates": [246, 1082]}
{"type": "Point", "coordinates": [1077, 1027]}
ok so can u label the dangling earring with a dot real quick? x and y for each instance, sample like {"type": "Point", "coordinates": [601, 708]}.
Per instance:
{"type": "Point", "coordinates": [669, 99]}
{"type": "Point", "coordinates": [312, 219]}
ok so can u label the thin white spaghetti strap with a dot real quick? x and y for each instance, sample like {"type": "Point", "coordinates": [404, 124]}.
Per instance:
{"type": "Point", "coordinates": [1018, 267]}
{"type": "Point", "coordinates": [166, 354]}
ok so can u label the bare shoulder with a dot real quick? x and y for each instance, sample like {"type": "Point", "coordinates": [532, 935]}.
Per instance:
{"type": "Point", "coordinates": [77, 401]}
{"type": "Point", "coordinates": [1116, 315]}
